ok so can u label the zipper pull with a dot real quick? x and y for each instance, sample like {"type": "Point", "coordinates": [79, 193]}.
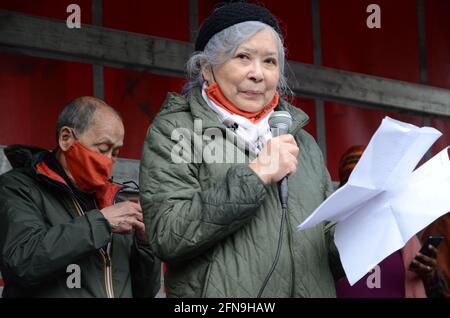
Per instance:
{"type": "Point", "coordinates": [107, 260]}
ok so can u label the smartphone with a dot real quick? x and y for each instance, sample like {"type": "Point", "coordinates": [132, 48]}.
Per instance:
{"type": "Point", "coordinates": [431, 240]}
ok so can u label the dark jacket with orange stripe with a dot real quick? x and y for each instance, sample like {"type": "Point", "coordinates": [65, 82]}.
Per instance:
{"type": "Point", "coordinates": [52, 246]}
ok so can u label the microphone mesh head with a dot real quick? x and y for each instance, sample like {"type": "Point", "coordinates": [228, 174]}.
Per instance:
{"type": "Point", "coordinates": [281, 120]}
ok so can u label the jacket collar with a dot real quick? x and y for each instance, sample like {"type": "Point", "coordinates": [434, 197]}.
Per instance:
{"type": "Point", "coordinates": [33, 158]}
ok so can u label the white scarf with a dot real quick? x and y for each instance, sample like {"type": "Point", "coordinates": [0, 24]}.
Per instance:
{"type": "Point", "coordinates": [255, 135]}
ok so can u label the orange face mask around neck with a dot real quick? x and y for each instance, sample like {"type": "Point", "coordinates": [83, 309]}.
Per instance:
{"type": "Point", "coordinates": [215, 94]}
{"type": "Point", "coordinates": [90, 170]}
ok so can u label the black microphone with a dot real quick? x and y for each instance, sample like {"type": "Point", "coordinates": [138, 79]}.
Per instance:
{"type": "Point", "coordinates": [280, 122]}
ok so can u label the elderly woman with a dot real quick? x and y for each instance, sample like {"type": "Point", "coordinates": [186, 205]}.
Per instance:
{"type": "Point", "coordinates": [210, 169]}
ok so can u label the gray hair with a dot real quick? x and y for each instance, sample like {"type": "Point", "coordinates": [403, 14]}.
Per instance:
{"type": "Point", "coordinates": [223, 46]}
{"type": "Point", "coordinates": [79, 114]}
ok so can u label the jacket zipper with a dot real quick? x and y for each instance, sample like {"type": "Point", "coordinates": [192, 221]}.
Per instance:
{"type": "Point", "coordinates": [106, 257]}
{"type": "Point", "coordinates": [108, 271]}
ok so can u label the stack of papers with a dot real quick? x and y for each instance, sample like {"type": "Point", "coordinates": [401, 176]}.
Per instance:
{"type": "Point", "coordinates": [385, 202]}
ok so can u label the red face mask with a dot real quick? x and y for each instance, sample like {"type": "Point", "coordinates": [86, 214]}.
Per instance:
{"type": "Point", "coordinates": [90, 170]}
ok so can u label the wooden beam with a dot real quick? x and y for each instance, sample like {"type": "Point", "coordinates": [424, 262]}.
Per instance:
{"type": "Point", "coordinates": [92, 44]}
{"type": "Point", "coordinates": [364, 90]}
{"type": "Point", "coordinates": [37, 36]}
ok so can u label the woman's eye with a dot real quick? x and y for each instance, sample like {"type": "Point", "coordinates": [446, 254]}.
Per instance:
{"type": "Point", "coordinates": [271, 61]}
{"type": "Point", "coordinates": [242, 56]}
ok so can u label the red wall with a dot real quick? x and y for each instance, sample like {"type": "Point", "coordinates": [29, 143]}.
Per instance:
{"type": "Point", "coordinates": [437, 16]}
{"type": "Point", "coordinates": [348, 44]}
{"type": "Point", "coordinates": [33, 92]}
{"type": "Point", "coordinates": [169, 19]}
{"type": "Point", "coordinates": [138, 96]}
{"type": "Point", "coordinates": [438, 57]}
{"type": "Point", "coordinates": [49, 8]}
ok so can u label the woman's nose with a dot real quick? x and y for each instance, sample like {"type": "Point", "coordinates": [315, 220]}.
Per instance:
{"type": "Point", "coordinates": [256, 73]}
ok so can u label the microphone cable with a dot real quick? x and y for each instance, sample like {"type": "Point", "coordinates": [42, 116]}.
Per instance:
{"type": "Point", "coordinates": [281, 121]}
{"type": "Point", "coordinates": [277, 255]}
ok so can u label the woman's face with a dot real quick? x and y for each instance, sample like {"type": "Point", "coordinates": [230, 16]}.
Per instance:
{"type": "Point", "coordinates": [250, 78]}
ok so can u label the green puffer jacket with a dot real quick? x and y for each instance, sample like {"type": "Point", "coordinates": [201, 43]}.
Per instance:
{"type": "Point", "coordinates": [42, 233]}
{"type": "Point", "coordinates": [217, 225]}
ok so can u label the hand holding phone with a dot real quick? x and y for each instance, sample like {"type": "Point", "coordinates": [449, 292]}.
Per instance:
{"type": "Point", "coordinates": [434, 240]}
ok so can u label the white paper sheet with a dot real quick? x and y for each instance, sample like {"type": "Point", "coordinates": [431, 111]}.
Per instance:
{"type": "Point", "coordinates": [384, 202]}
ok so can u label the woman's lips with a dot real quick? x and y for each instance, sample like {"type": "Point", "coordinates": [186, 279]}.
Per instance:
{"type": "Point", "coordinates": [252, 94]}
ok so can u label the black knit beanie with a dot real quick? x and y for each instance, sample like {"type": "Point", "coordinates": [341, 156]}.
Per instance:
{"type": "Point", "coordinates": [231, 14]}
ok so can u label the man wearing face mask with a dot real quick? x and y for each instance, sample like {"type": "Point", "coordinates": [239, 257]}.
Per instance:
{"type": "Point", "coordinates": [62, 233]}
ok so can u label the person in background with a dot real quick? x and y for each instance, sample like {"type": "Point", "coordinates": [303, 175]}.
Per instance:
{"type": "Point", "coordinates": [62, 233]}
{"type": "Point", "coordinates": [403, 274]}
{"type": "Point", "coordinates": [441, 227]}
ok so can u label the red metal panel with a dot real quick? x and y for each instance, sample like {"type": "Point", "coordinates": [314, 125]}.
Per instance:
{"type": "Point", "coordinates": [444, 127]}
{"type": "Point", "coordinates": [33, 92]}
{"type": "Point", "coordinates": [437, 21]}
{"type": "Point", "coordinates": [49, 8]}
{"type": "Point", "coordinates": [348, 44]}
{"type": "Point", "coordinates": [168, 19]}
{"type": "Point", "coordinates": [349, 126]}
{"type": "Point", "coordinates": [138, 97]}
{"type": "Point", "coordinates": [205, 7]}
{"type": "Point", "coordinates": [308, 106]}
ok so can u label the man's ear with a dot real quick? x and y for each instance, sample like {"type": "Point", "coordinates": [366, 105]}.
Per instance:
{"type": "Point", "coordinates": [66, 138]}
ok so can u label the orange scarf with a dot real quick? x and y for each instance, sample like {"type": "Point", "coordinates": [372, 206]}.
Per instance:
{"type": "Point", "coordinates": [215, 94]}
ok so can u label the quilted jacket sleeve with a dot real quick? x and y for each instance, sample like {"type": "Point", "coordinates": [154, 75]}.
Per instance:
{"type": "Point", "coordinates": [184, 220]}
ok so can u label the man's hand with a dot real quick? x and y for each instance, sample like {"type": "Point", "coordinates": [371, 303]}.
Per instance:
{"type": "Point", "coordinates": [425, 266]}
{"type": "Point", "coordinates": [277, 159]}
{"type": "Point", "coordinates": [124, 217]}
